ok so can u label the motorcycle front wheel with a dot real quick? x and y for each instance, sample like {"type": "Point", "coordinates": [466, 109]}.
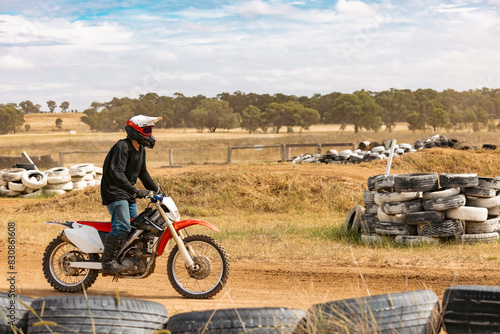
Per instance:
{"type": "Point", "coordinates": [211, 268]}
{"type": "Point", "coordinates": [59, 274]}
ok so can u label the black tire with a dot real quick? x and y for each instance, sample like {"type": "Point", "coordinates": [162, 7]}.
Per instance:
{"type": "Point", "coordinates": [489, 182]}
{"type": "Point", "coordinates": [492, 202]}
{"type": "Point", "coordinates": [353, 219]}
{"type": "Point", "coordinates": [402, 312]}
{"type": "Point", "coordinates": [63, 278]}
{"type": "Point", "coordinates": [237, 320]}
{"type": "Point", "coordinates": [471, 309]}
{"type": "Point", "coordinates": [97, 314]}
{"type": "Point", "coordinates": [416, 182]}
{"type": "Point", "coordinates": [386, 228]}
{"type": "Point", "coordinates": [384, 182]}
{"type": "Point", "coordinates": [443, 204]}
{"type": "Point", "coordinates": [458, 180]}
{"type": "Point", "coordinates": [453, 142]}
{"type": "Point", "coordinates": [445, 228]}
{"type": "Point", "coordinates": [397, 208]}
{"type": "Point", "coordinates": [369, 196]}
{"type": "Point", "coordinates": [479, 191]}
{"type": "Point", "coordinates": [25, 166]}
{"type": "Point", "coordinates": [421, 217]}
{"type": "Point", "coordinates": [371, 182]}
{"type": "Point", "coordinates": [489, 147]}
{"type": "Point", "coordinates": [214, 268]}
{"type": "Point", "coordinates": [368, 223]}
{"type": "Point", "coordinates": [371, 208]}
{"type": "Point", "coordinates": [489, 226]}
{"type": "Point", "coordinates": [464, 147]}
{"type": "Point", "coordinates": [16, 313]}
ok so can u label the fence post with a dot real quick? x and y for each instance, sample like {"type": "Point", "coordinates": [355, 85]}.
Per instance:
{"type": "Point", "coordinates": [283, 154]}
{"type": "Point", "coordinates": [229, 153]}
{"type": "Point", "coordinates": [171, 157]}
{"type": "Point", "coordinates": [319, 148]}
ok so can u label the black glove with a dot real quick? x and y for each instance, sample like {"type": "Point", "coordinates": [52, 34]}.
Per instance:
{"type": "Point", "coordinates": [141, 193]}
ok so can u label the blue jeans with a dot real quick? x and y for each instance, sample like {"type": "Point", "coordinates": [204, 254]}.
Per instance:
{"type": "Point", "coordinates": [121, 212]}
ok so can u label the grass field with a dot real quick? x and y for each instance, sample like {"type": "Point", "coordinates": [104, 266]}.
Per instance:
{"type": "Point", "coordinates": [192, 147]}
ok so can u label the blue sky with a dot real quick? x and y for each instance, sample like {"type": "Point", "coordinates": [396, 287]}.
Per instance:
{"type": "Point", "coordinates": [85, 51]}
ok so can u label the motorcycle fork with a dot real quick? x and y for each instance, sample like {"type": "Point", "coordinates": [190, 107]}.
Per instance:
{"type": "Point", "coordinates": [177, 238]}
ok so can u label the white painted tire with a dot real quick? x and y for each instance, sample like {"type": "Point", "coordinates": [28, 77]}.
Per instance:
{"type": "Point", "coordinates": [378, 149]}
{"type": "Point", "coordinates": [13, 174]}
{"type": "Point", "coordinates": [476, 238]}
{"type": "Point", "coordinates": [58, 179]}
{"type": "Point", "coordinates": [489, 182]}
{"type": "Point", "coordinates": [57, 171]}
{"type": "Point", "coordinates": [8, 193]}
{"type": "Point", "coordinates": [483, 202]}
{"type": "Point", "coordinates": [441, 193]}
{"type": "Point", "coordinates": [17, 186]}
{"type": "Point", "coordinates": [51, 192]}
{"type": "Point", "coordinates": [91, 183]}
{"type": "Point", "coordinates": [98, 170]}
{"type": "Point", "coordinates": [88, 177]}
{"type": "Point", "coordinates": [34, 179]}
{"type": "Point", "coordinates": [79, 185]}
{"type": "Point", "coordinates": [415, 240]}
{"type": "Point", "coordinates": [405, 146]}
{"type": "Point", "coordinates": [3, 182]}
{"type": "Point", "coordinates": [35, 193]}
{"type": "Point", "coordinates": [77, 178]}
{"type": "Point", "coordinates": [391, 197]}
{"type": "Point", "coordinates": [468, 213]}
{"type": "Point", "coordinates": [373, 239]}
{"type": "Point", "coordinates": [60, 186]}
{"type": "Point", "coordinates": [87, 167]}
{"type": "Point", "coordinates": [494, 212]}
{"type": "Point", "coordinates": [345, 153]}
{"type": "Point", "coordinates": [77, 171]}
{"type": "Point", "coordinates": [384, 217]}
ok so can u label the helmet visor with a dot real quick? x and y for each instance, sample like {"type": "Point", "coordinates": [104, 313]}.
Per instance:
{"type": "Point", "coordinates": [146, 131]}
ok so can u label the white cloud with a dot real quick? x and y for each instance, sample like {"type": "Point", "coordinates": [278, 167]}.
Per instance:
{"type": "Point", "coordinates": [11, 63]}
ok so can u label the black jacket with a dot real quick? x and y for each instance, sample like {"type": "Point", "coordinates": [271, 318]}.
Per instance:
{"type": "Point", "coordinates": [122, 166]}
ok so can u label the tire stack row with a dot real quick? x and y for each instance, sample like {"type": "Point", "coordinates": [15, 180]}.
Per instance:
{"type": "Point", "coordinates": [412, 209]}
{"type": "Point", "coordinates": [77, 177]}
{"type": "Point", "coordinates": [19, 182]}
{"type": "Point", "coordinates": [464, 309]}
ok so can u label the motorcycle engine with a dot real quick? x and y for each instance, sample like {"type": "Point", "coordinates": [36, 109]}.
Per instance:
{"type": "Point", "coordinates": [135, 261]}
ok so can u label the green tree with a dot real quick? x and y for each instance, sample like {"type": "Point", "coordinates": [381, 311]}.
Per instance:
{"type": "Point", "coordinates": [308, 117]}
{"type": "Point", "coordinates": [11, 119]}
{"type": "Point", "coordinates": [415, 121]}
{"type": "Point", "coordinates": [283, 114]}
{"type": "Point", "coordinates": [251, 118]}
{"type": "Point", "coordinates": [28, 107]}
{"type": "Point", "coordinates": [393, 107]}
{"type": "Point", "coordinates": [359, 109]}
{"type": "Point", "coordinates": [213, 114]}
{"type": "Point", "coordinates": [64, 106]}
{"type": "Point", "coordinates": [438, 118]}
{"type": "Point", "coordinates": [59, 123]}
{"type": "Point", "coordinates": [52, 106]}
{"type": "Point", "coordinates": [27, 127]}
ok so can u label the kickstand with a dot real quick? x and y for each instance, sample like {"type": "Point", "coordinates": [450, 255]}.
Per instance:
{"type": "Point", "coordinates": [115, 278]}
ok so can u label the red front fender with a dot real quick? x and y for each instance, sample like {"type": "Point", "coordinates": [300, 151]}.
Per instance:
{"type": "Point", "coordinates": [179, 226]}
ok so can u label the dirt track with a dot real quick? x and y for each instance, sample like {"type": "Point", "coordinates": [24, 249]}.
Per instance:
{"type": "Point", "coordinates": [270, 284]}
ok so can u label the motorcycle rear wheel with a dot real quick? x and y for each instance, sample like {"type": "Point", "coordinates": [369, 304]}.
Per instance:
{"type": "Point", "coordinates": [56, 268]}
{"type": "Point", "coordinates": [213, 270]}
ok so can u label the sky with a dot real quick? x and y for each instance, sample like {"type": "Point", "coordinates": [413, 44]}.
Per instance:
{"type": "Point", "coordinates": [83, 51]}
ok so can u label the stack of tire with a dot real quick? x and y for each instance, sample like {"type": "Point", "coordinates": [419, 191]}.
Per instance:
{"type": "Point", "coordinates": [77, 177]}
{"type": "Point", "coordinates": [412, 209]}
{"type": "Point", "coordinates": [21, 182]}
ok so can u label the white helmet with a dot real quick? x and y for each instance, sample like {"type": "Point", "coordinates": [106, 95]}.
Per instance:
{"type": "Point", "coordinates": [140, 128]}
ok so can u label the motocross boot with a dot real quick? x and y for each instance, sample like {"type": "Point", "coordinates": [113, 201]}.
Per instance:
{"type": "Point", "coordinates": [112, 246]}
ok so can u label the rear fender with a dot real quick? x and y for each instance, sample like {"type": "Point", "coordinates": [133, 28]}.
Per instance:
{"type": "Point", "coordinates": [85, 237]}
{"type": "Point", "coordinates": [179, 226]}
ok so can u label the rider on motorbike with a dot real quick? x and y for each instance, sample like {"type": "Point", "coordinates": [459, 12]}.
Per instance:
{"type": "Point", "coordinates": [124, 164]}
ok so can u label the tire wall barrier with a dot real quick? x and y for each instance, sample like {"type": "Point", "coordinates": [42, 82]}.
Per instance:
{"type": "Point", "coordinates": [428, 208]}
{"type": "Point", "coordinates": [20, 182]}
{"type": "Point", "coordinates": [464, 309]}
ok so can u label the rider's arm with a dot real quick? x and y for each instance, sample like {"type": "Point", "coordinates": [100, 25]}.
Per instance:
{"type": "Point", "coordinates": [117, 167]}
{"type": "Point", "coordinates": [144, 176]}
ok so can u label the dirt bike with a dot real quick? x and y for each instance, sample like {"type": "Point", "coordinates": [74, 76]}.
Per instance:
{"type": "Point", "coordinates": [198, 266]}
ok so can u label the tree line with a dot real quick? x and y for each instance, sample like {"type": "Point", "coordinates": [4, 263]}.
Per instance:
{"type": "Point", "coordinates": [420, 109]}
